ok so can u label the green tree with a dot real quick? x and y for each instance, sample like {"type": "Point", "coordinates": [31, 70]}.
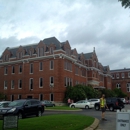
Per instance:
{"type": "Point", "coordinates": [119, 93]}
{"type": "Point", "coordinates": [125, 3]}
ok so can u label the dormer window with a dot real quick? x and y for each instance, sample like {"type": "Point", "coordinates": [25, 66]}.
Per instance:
{"type": "Point", "coordinates": [40, 52]}
{"type": "Point", "coordinates": [68, 51]}
{"type": "Point", "coordinates": [51, 50]}
{"type": "Point", "coordinates": [113, 76]}
{"type": "Point", "coordinates": [129, 74]}
{"type": "Point", "coordinates": [117, 76]}
{"type": "Point", "coordinates": [122, 75]}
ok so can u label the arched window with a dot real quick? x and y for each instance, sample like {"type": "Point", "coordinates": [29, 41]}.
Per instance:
{"type": "Point", "coordinates": [118, 85]}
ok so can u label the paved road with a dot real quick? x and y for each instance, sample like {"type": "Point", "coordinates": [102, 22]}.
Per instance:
{"type": "Point", "coordinates": [110, 124]}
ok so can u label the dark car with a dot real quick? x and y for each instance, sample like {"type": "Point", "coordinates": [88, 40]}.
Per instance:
{"type": "Point", "coordinates": [4, 104]}
{"type": "Point", "coordinates": [47, 103]}
{"type": "Point", "coordinates": [112, 103]}
{"type": "Point", "coordinates": [23, 108]}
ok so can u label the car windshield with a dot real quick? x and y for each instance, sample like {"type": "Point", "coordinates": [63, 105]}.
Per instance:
{"type": "Point", "coordinates": [16, 103]}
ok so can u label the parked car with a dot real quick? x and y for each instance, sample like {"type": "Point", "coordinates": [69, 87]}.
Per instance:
{"type": "Point", "coordinates": [123, 100]}
{"type": "Point", "coordinates": [93, 101]}
{"type": "Point", "coordinates": [112, 103]}
{"type": "Point", "coordinates": [47, 103]}
{"type": "Point", "coordinates": [23, 108]}
{"type": "Point", "coordinates": [4, 103]}
{"type": "Point", "coordinates": [82, 104]}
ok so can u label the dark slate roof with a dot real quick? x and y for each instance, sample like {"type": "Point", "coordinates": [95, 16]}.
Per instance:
{"type": "Point", "coordinates": [88, 55]}
{"type": "Point", "coordinates": [53, 40]}
{"type": "Point", "coordinates": [47, 41]}
{"type": "Point", "coordinates": [120, 70]}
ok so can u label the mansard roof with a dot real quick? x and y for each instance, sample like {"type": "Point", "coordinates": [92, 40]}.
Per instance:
{"type": "Point", "coordinates": [47, 41]}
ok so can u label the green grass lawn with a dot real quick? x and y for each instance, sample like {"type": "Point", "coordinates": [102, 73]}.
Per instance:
{"type": "Point", "coordinates": [62, 108]}
{"type": "Point", "coordinates": [55, 122]}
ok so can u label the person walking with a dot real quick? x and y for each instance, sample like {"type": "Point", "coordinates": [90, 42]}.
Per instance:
{"type": "Point", "coordinates": [69, 101]}
{"type": "Point", "coordinates": [103, 106]}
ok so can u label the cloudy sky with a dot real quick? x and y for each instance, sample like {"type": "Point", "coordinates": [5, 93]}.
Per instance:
{"type": "Point", "coordinates": [103, 24]}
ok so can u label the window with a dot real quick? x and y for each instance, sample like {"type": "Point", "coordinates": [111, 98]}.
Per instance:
{"type": "Point", "coordinates": [30, 52]}
{"type": "Point", "coordinates": [12, 84]}
{"type": "Point", "coordinates": [40, 97]}
{"type": "Point", "coordinates": [40, 82]}
{"type": "Point", "coordinates": [31, 84]}
{"type": "Point", "coordinates": [13, 70]}
{"type": "Point", "coordinates": [51, 97]}
{"type": "Point", "coordinates": [51, 65]}
{"type": "Point", "coordinates": [20, 84]}
{"type": "Point", "coordinates": [5, 70]}
{"type": "Point", "coordinates": [20, 68]}
{"type": "Point", "coordinates": [19, 96]}
{"type": "Point", "coordinates": [12, 97]}
{"type": "Point", "coordinates": [40, 66]}
{"type": "Point", "coordinates": [5, 85]}
{"type": "Point", "coordinates": [41, 51]}
{"type": "Point", "coordinates": [51, 81]}
{"type": "Point", "coordinates": [123, 75]}
{"type": "Point", "coordinates": [67, 81]}
{"type": "Point", "coordinates": [76, 70]}
{"type": "Point", "coordinates": [83, 72]}
{"type": "Point", "coordinates": [51, 50]}
{"type": "Point", "coordinates": [117, 76]}
{"type": "Point", "coordinates": [113, 76]}
{"type": "Point", "coordinates": [67, 66]}
{"type": "Point", "coordinates": [118, 85]}
{"type": "Point", "coordinates": [31, 68]}
{"type": "Point", "coordinates": [128, 87]}
{"type": "Point", "coordinates": [129, 74]}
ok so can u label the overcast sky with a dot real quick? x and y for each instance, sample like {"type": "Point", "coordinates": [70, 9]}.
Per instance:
{"type": "Point", "coordinates": [103, 24]}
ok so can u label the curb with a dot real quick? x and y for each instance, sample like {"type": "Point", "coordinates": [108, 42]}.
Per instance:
{"type": "Point", "coordinates": [62, 110]}
{"type": "Point", "coordinates": [94, 125]}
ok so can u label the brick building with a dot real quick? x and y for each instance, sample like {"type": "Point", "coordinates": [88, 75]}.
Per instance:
{"type": "Point", "coordinates": [121, 80]}
{"type": "Point", "coordinates": [43, 70]}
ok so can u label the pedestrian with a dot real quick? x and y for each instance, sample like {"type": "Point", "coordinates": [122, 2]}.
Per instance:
{"type": "Point", "coordinates": [103, 106]}
{"type": "Point", "coordinates": [69, 101]}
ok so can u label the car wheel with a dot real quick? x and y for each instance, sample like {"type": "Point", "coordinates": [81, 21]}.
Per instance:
{"type": "Point", "coordinates": [97, 107]}
{"type": "Point", "coordinates": [39, 113]}
{"type": "Point", "coordinates": [20, 115]}
{"type": "Point", "coordinates": [111, 108]}
{"type": "Point", "coordinates": [86, 107]}
{"type": "Point", "coordinates": [73, 106]}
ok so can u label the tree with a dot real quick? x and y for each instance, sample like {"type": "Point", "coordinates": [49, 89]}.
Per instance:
{"type": "Point", "coordinates": [119, 93]}
{"type": "Point", "coordinates": [125, 3]}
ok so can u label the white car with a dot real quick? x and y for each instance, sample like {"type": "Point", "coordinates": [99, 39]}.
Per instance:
{"type": "Point", "coordinates": [93, 101]}
{"type": "Point", "coordinates": [81, 104]}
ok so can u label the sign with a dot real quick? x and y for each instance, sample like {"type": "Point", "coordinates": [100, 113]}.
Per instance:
{"type": "Point", "coordinates": [10, 122]}
{"type": "Point", "coordinates": [123, 121]}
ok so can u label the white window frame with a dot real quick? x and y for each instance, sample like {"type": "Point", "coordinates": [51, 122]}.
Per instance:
{"type": "Point", "coordinates": [52, 65]}
{"type": "Point", "coordinates": [19, 81]}
{"type": "Point", "coordinates": [40, 66]}
{"type": "Point", "coordinates": [118, 85]}
{"type": "Point", "coordinates": [5, 71]}
{"type": "Point", "coordinates": [117, 76]}
{"type": "Point", "coordinates": [19, 96]}
{"type": "Point", "coordinates": [5, 85]}
{"type": "Point", "coordinates": [40, 82]}
{"type": "Point", "coordinates": [20, 68]}
{"type": "Point", "coordinates": [30, 83]}
{"type": "Point", "coordinates": [12, 84]}
{"type": "Point", "coordinates": [31, 68]}
{"type": "Point", "coordinates": [13, 70]}
{"type": "Point", "coordinates": [40, 97]}
{"type": "Point", "coordinates": [122, 75]}
{"type": "Point", "coordinates": [128, 74]}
